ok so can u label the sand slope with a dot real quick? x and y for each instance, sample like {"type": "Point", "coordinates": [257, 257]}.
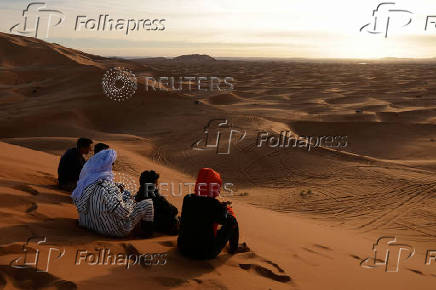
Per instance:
{"type": "Point", "coordinates": [288, 252]}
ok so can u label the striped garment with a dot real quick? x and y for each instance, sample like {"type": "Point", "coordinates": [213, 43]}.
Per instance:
{"type": "Point", "coordinates": [104, 209]}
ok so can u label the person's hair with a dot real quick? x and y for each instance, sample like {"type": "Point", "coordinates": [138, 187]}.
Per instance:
{"type": "Point", "coordinates": [100, 147]}
{"type": "Point", "coordinates": [147, 187]}
{"type": "Point", "coordinates": [83, 142]}
{"type": "Point", "coordinates": [148, 176]}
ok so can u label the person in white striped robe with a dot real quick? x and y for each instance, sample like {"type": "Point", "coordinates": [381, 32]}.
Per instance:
{"type": "Point", "coordinates": [100, 201]}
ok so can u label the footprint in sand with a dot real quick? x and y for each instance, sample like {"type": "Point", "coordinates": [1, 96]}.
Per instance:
{"type": "Point", "coordinates": [416, 271]}
{"type": "Point", "coordinates": [275, 266]}
{"type": "Point", "coordinates": [27, 188]}
{"type": "Point", "coordinates": [170, 281]}
{"type": "Point", "coordinates": [356, 257]}
{"type": "Point", "coordinates": [12, 249]}
{"type": "Point", "coordinates": [316, 253]}
{"type": "Point", "coordinates": [32, 208]}
{"type": "Point", "coordinates": [130, 249]}
{"type": "Point", "coordinates": [199, 283]}
{"type": "Point", "coordinates": [169, 244]}
{"type": "Point", "coordinates": [28, 278]}
{"type": "Point", "coordinates": [263, 271]}
{"type": "Point", "coordinates": [267, 273]}
{"type": "Point", "coordinates": [322, 247]}
{"type": "Point", "coordinates": [304, 260]}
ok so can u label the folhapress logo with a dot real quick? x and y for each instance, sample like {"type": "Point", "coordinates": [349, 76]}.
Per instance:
{"type": "Point", "coordinates": [387, 253]}
{"type": "Point", "coordinates": [384, 17]}
{"type": "Point", "coordinates": [38, 20]}
{"type": "Point", "coordinates": [218, 134]}
{"type": "Point", "coordinates": [33, 258]}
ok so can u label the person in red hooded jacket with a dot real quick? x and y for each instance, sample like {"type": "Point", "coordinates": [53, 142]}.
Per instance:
{"type": "Point", "coordinates": [199, 236]}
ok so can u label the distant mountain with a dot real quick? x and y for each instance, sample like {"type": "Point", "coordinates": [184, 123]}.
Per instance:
{"type": "Point", "coordinates": [191, 58]}
{"type": "Point", "coordinates": [194, 58]}
{"type": "Point", "coordinates": [150, 60]}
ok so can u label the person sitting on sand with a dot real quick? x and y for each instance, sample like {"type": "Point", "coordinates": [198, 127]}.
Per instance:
{"type": "Point", "coordinates": [100, 147]}
{"type": "Point", "coordinates": [199, 236]}
{"type": "Point", "coordinates": [165, 214]}
{"type": "Point", "coordinates": [71, 164]}
{"type": "Point", "coordinates": [100, 201]}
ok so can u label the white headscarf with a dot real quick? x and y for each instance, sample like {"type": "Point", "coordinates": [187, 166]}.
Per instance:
{"type": "Point", "coordinates": [97, 167]}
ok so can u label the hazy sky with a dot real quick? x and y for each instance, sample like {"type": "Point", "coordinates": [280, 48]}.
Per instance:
{"type": "Point", "coordinates": [247, 28]}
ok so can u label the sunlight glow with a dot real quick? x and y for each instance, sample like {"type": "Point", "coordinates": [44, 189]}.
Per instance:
{"type": "Point", "coordinates": [276, 28]}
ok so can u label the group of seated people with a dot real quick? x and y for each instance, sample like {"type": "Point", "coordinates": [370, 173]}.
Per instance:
{"type": "Point", "coordinates": [205, 227]}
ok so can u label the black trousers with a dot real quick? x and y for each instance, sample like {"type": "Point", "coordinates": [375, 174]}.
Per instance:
{"type": "Point", "coordinates": [229, 232]}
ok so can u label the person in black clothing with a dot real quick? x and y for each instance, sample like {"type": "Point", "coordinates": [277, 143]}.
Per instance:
{"type": "Point", "coordinates": [165, 214]}
{"type": "Point", "coordinates": [71, 164]}
{"type": "Point", "coordinates": [100, 147]}
{"type": "Point", "coordinates": [199, 236]}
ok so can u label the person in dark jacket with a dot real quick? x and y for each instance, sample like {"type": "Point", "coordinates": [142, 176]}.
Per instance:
{"type": "Point", "coordinates": [202, 213]}
{"type": "Point", "coordinates": [100, 147]}
{"type": "Point", "coordinates": [165, 214]}
{"type": "Point", "coordinates": [71, 164]}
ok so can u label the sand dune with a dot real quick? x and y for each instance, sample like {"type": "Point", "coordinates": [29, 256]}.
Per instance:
{"type": "Point", "coordinates": [309, 217]}
{"type": "Point", "coordinates": [281, 256]}
{"type": "Point", "coordinates": [224, 99]}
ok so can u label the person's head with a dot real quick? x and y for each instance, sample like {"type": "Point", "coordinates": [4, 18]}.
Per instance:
{"type": "Point", "coordinates": [84, 145]}
{"type": "Point", "coordinates": [98, 167]}
{"type": "Point", "coordinates": [149, 177]}
{"type": "Point", "coordinates": [208, 183]}
{"type": "Point", "coordinates": [100, 147]}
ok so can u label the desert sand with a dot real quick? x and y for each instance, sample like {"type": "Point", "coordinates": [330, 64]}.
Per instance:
{"type": "Point", "coordinates": [309, 217]}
